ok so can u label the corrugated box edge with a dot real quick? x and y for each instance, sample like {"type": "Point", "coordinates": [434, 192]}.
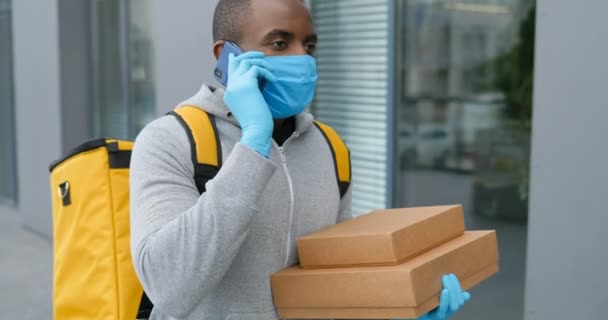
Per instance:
{"type": "Point", "coordinates": [382, 313]}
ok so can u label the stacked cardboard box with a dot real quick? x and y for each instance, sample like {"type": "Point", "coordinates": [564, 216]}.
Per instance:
{"type": "Point", "coordinates": [386, 264]}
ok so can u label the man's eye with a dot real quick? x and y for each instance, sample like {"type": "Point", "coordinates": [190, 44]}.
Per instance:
{"type": "Point", "coordinates": [310, 48]}
{"type": "Point", "coordinates": [280, 44]}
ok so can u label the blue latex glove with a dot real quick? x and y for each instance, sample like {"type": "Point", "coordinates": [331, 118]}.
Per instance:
{"type": "Point", "coordinates": [246, 102]}
{"type": "Point", "coordinates": [451, 300]}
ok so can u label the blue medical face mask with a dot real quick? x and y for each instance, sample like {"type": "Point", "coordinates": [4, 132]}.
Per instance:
{"type": "Point", "coordinates": [295, 86]}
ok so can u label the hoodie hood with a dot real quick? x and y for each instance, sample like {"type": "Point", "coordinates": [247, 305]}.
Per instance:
{"type": "Point", "coordinates": [212, 101]}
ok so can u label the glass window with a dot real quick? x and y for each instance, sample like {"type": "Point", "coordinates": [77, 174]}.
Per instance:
{"type": "Point", "coordinates": [464, 105]}
{"type": "Point", "coordinates": [8, 161]}
{"type": "Point", "coordinates": [352, 59]}
{"type": "Point", "coordinates": [141, 82]}
{"type": "Point", "coordinates": [122, 81]}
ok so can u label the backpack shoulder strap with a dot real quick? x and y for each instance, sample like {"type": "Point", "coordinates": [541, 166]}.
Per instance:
{"type": "Point", "coordinates": [341, 156]}
{"type": "Point", "coordinates": [205, 146]}
{"type": "Point", "coordinates": [206, 152]}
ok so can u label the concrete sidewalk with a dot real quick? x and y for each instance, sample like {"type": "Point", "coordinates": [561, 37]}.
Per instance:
{"type": "Point", "coordinates": [26, 266]}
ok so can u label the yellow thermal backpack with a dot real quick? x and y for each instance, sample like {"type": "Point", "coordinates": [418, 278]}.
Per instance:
{"type": "Point", "coordinates": [93, 276]}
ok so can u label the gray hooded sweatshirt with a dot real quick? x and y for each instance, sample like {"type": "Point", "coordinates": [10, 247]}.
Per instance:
{"type": "Point", "coordinates": [210, 256]}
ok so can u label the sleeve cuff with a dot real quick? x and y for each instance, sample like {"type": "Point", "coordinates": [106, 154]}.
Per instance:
{"type": "Point", "coordinates": [245, 174]}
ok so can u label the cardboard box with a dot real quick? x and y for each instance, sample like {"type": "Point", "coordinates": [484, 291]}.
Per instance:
{"type": "Point", "coordinates": [380, 238]}
{"type": "Point", "coordinates": [408, 290]}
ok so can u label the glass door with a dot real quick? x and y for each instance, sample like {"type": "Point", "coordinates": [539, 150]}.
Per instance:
{"type": "Point", "coordinates": [464, 105]}
{"type": "Point", "coordinates": [122, 81]}
{"type": "Point", "coordinates": [8, 158]}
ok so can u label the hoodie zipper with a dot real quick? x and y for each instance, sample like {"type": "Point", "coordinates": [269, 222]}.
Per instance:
{"type": "Point", "coordinates": [292, 202]}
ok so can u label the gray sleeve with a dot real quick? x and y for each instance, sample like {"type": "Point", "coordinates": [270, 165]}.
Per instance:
{"type": "Point", "coordinates": [182, 242]}
{"type": "Point", "coordinates": [346, 205]}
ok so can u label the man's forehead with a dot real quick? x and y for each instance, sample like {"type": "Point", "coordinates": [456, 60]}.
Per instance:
{"type": "Point", "coordinates": [278, 10]}
{"type": "Point", "coordinates": [298, 3]}
{"type": "Point", "coordinates": [286, 15]}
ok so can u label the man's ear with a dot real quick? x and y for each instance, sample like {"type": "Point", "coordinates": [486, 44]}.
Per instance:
{"type": "Point", "coordinates": [218, 46]}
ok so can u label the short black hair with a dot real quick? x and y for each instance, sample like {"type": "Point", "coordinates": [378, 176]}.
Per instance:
{"type": "Point", "coordinates": [228, 19]}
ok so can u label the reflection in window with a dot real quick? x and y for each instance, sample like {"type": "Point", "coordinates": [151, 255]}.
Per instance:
{"type": "Point", "coordinates": [8, 161]}
{"type": "Point", "coordinates": [141, 85]}
{"type": "Point", "coordinates": [464, 105]}
{"type": "Point", "coordinates": [122, 82]}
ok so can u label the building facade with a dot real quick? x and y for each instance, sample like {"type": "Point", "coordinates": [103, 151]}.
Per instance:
{"type": "Point", "coordinates": [493, 104]}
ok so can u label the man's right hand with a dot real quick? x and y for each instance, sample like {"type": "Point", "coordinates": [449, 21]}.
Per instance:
{"type": "Point", "coordinates": [246, 102]}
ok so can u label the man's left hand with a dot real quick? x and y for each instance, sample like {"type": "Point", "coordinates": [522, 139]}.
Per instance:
{"type": "Point", "coordinates": [451, 300]}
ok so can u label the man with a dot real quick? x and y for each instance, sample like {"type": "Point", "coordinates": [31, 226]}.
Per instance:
{"type": "Point", "coordinates": [210, 256]}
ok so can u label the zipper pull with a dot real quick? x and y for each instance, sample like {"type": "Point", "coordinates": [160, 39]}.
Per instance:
{"type": "Point", "coordinates": [282, 154]}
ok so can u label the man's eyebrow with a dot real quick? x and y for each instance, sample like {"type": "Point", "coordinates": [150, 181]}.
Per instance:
{"type": "Point", "coordinates": [277, 33]}
{"type": "Point", "coordinates": [311, 38]}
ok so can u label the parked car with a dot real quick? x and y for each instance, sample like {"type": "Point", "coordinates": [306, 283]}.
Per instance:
{"type": "Point", "coordinates": [430, 145]}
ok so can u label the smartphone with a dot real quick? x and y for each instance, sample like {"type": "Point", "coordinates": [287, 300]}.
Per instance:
{"type": "Point", "coordinates": [221, 69]}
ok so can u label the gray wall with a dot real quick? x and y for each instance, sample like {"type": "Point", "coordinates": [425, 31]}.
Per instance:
{"type": "Point", "coordinates": [37, 99]}
{"type": "Point", "coordinates": [567, 246]}
{"type": "Point", "coordinates": [50, 66]}
{"type": "Point", "coordinates": [183, 49]}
